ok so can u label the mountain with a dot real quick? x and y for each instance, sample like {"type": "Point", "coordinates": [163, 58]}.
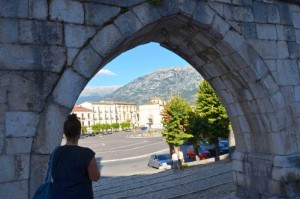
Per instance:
{"type": "Point", "coordinates": [162, 83]}
{"type": "Point", "coordinates": [95, 93]}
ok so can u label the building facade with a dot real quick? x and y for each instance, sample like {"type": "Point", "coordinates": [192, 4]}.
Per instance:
{"type": "Point", "coordinates": [86, 115]}
{"type": "Point", "coordinates": [150, 113]}
{"type": "Point", "coordinates": [112, 112]}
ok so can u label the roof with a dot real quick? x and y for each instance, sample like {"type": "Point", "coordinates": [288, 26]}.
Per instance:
{"type": "Point", "coordinates": [112, 103]}
{"type": "Point", "coordinates": [80, 108]}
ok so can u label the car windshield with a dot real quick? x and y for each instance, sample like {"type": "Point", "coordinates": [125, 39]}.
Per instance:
{"type": "Point", "coordinates": [162, 157]}
{"type": "Point", "coordinates": [225, 143]}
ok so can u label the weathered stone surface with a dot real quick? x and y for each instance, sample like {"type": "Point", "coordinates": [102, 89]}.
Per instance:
{"type": "Point", "coordinates": [40, 32]}
{"type": "Point", "coordinates": [285, 13]}
{"type": "Point", "coordinates": [220, 26]}
{"type": "Point", "coordinates": [168, 8]}
{"type": "Point", "coordinates": [77, 35]}
{"type": "Point", "coordinates": [21, 124]}
{"type": "Point", "coordinates": [7, 169]}
{"type": "Point", "coordinates": [68, 11]}
{"type": "Point", "coordinates": [50, 130]}
{"type": "Point", "coordinates": [288, 72]}
{"type": "Point", "coordinates": [121, 3]}
{"type": "Point", "coordinates": [146, 13]}
{"type": "Point", "coordinates": [106, 40]}
{"type": "Point", "coordinates": [128, 24]}
{"type": "Point", "coordinates": [188, 7]}
{"type": "Point", "coordinates": [19, 190]}
{"type": "Point", "coordinates": [249, 30]}
{"type": "Point", "coordinates": [94, 17]}
{"type": "Point", "coordinates": [38, 9]}
{"type": "Point", "coordinates": [68, 88]}
{"type": "Point", "coordinates": [22, 163]}
{"type": "Point", "coordinates": [283, 51]}
{"type": "Point", "coordinates": [10, 8]}
{"type": "Point", "coordinates": [87, 62]}
{"type": "Point", "coordinates": [204, 14]}
{"type": "Point", "coordinates": [19, 145]}
{"type": "Point", "coordinates": [16, 57]}
{"type": "Point", "coordinates": [32, 88]}
{"type": "Point", "coordinates": [9, 32]}
{"type": "Point", "coordinates": [266, 31]}
{"type": "Point", "coordinates": [71, 54]}
{"type": "Point", "coordinates": [266, 49]}
{"type": "Point", "coordinates": [297, 32]}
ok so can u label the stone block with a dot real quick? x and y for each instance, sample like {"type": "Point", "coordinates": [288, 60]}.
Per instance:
{"type": "Point", "coordinates": [7, 169]}
{"type": "Point", "coordinates": [293, 50]}
{"type": "Point", "coordinates": [68, 88]}
{"type": "Point", "coordinates": [237, 166]}
{"type": "Point", "coordinates": [297, 32]}
{"type": "Point", "coordinates": [188, 7]}
{"type": "Point", "coordinates": [234, 40]}
{"type": "Point", "coordinates": [243, 123]}
{"type": "Point", "coordinates": [241, 13]}
{"type": "Point", "coordinates": [27, 91]}
{"type": "Point", "coordinates": [107, 40]}
{"type": "Point", "coordinates": [50, 130]}
{"type": "Point", "coordinates": [217, 7]}
{"type": "Point", "coordinates": [121, 3]}
{"type": "Point", "coordinates": [18, 9]}
{"type": "Point", "coordinates": [266, 49]}
{"type": "Point", "coordinates": [26, 57]}
{"type": "Point", "coordinates": [297, 93]}
{"type": "Point", "coordinates": [9, 32]}
{"type": "Point", "coordinates": [22, 166]}
{"type": "Point", "coordinates": [273, 14]}
{"type": "Point", "coordinates": [98, 14]}
{"type": "Point", "coordinates": [21, 124]}
{"type": "Point", "coordinates": [77, 35]}
{"type": "Point", "coordinates": [204, 14]}
{"type": "Point", "coordinates": [285, 33]}
{"type": "Point", "coordinates": [249, 30]}
{"type": "Point", "coordinates": [68, 11]}
{"type": "Point", "coordinates": [71, 54]}
{"type": "Point", "coordinates": [220, 26]}
{"type": "Point", "coordinates": [128, 24]}
{"type": "Point", "coordinates": [41, 32]}
{"type": "Point", "coordinates": [260, 12]}
{"type": "Point", "coordinates": [286, 174]}
{"type": "Point", "coordinates": [285, 13]}
{"type": "Point", "coordinates": [14, 190]}
{"type": "Point", "coordinates": [87, 62]}
{"type": "Point", "coordinates": [266, 31]}
{"type": "Point", "coordinates": [38, 9]}
{"type": "Point", "coordinates": [19, 145]}
{"type": "Point", "coordinates": [288, 72]}
{"type": "Point", "coordinates": [168, 8]}
{"type": "Point", "coordinates": [146, 13]}
{"type": "Point", "coordinates": [283, 51]}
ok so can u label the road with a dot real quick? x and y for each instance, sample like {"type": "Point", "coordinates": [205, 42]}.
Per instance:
{"type": "Point", "coordinates": [120, 154]}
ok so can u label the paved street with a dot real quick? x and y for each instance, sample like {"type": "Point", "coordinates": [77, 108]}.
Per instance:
{"type": "Point", "coordinates": [119, 154]}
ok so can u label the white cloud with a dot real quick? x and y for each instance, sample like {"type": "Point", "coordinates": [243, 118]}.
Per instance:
{"type": "Point", "coordinates": [106, 72]}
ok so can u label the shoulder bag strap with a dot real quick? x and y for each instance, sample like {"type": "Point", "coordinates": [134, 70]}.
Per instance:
{"type": "Point", "coordinates": [50, 163]}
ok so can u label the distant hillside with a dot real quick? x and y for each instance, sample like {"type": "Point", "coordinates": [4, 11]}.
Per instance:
{"type": "Point", "coordinates": [162, 83]}
{"type": "Point", "coordinates": [95, 93]}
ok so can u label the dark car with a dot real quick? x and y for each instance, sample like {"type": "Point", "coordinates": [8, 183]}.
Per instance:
{"type": "Point", "coordinates": [159, 161]}
{"type": "Point", "coordinates": [212, 150]}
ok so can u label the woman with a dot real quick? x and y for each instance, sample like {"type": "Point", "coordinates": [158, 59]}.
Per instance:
{"type": "Point", "coordinates": [74, 167]}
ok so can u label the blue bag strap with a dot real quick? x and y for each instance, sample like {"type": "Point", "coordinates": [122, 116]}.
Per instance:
{"type": "Point", "coordinates": [50, 163]}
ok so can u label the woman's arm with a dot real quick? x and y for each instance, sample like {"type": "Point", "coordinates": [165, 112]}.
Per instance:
{"type": "Point", "coordinates": [93, 170]}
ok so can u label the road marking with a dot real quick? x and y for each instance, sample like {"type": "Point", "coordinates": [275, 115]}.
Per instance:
{"type": "Point", "coordinates": [130, 158]}
{"type": "Point", "coordinates": [102, 151]}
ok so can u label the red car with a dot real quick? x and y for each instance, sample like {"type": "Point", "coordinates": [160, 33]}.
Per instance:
{"type": "Point", "coordinates": [203, 153]}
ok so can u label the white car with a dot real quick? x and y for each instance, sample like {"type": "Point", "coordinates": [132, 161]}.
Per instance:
{"type": "Point", "coordinates": [159, 161]}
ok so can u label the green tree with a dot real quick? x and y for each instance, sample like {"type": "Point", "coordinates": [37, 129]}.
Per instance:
{"type": "Point", "coordinates": [115, 126]}
{"type": "Point", "coordinates": [215, 122]}
{"type": "Point", "coordinates": [83, 129]}
{"type": "Point", "coordinates": [125, 125]}
{"type": "Point", "coordinates": [176, 121]}
{"type": "Point", "coordinates": [97, 128]}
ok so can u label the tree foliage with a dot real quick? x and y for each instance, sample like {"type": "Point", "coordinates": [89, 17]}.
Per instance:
{"type": "Point", "coordinates": [215, 122]}
{"type": "Point", "coordinates": [176, 121]}
{"type": "Point", "coordinates": [212, 114]}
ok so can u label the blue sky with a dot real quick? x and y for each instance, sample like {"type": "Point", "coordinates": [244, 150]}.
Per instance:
{"type": "Point", "coordinates": [135, 63]}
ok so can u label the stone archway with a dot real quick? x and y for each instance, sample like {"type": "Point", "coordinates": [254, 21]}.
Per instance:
{"type": "Point", "coordinates": [248, 52]}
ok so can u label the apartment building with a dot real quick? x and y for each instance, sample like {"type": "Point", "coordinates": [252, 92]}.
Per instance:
{"type": "Point", "coordinates": [85, 115]}
{"type": "Point", "coordinates": [113, 112]}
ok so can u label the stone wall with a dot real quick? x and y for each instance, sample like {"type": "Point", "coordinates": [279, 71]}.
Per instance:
{"type": "Point", "coordinates": [247, 50]}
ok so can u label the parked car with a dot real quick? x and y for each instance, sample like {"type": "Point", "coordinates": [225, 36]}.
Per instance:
{"type": "Point", "coordinates": [159, 161]}
{"type": "Point", "coordinates": [203, 152]}
{"type": "Point", "coordinates": [212, 150]}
